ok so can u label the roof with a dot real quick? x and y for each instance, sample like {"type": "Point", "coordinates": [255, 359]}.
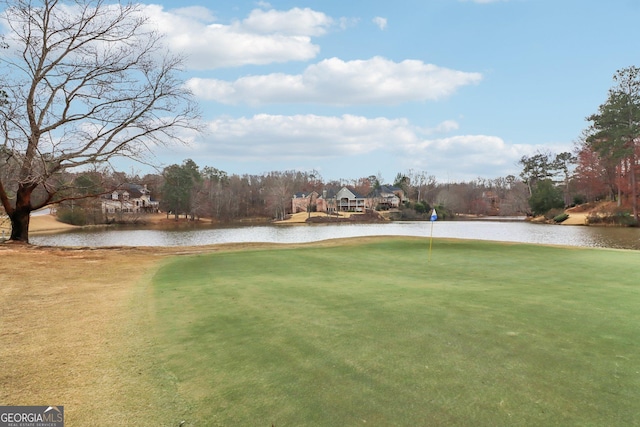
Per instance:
{"type": "Point", "coordinates": [385, 191]}
{"type": "Point", "coordinates": [135, 190]}
{"type": "Point", "coordinates": [304, 194]}
{"type": "Point", "coordinates": [390, 188]}
{"type": "Point", "coordinates": [353, 192]}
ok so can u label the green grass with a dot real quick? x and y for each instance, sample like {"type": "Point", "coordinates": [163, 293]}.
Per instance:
{"type": "Point", "coordinates": [483, 334]}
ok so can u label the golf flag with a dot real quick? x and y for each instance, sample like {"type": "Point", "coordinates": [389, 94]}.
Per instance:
{"type": "Point", "coordinates": [434, 217]}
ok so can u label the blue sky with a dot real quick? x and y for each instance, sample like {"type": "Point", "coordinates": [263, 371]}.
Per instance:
{"type": "Point", "coordinates": [458, 89]}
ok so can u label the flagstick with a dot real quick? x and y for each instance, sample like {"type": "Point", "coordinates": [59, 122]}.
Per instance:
{"type": "Point", "coordinates": [434, 217]}
{"type": "Point", "coordinates": [431, 241]}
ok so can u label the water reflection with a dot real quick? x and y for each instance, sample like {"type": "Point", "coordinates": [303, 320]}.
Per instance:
{"type": "Point", "coordinates": [520, 231]}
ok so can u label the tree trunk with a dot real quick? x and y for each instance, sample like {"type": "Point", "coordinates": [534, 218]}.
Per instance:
{"type": "Point", "coordinates": [619, 185]}
{"type": "Point", "coordinates": [20, 225]}
{"type": "Point", "coordinates": [20, 216]}
{"type": "Point", "coordinates": [634, 188]}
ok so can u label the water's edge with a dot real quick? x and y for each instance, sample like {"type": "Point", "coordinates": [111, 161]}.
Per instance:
{"type": "Point", "coordinates": [510, 231]}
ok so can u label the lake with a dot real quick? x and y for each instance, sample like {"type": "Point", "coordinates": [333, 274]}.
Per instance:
{"type": "Point", "coordinates": [509, 231]}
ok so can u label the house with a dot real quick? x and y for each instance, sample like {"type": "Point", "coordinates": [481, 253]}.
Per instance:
{"type": "Point", "coordinates": [131, 198]}
{"type": "Point", "coordinates": [302, 202]}
{"type": "Point", "coordinates": [387, 197]}
{"type": "Point", "coordinates": [349, 200]}
{"type": "Point", "coordinates": [325, 202]}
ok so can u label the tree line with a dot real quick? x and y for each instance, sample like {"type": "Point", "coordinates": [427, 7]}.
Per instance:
{"type": "Point", "coordinates": [189, 191]}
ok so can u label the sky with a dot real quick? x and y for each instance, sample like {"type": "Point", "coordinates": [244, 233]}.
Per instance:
{"type": "Point", "coordinates": [457, 89]}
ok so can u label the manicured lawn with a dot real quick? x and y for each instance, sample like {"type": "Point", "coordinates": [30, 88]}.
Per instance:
{"type": "Point", "coordinates": [372, 333]}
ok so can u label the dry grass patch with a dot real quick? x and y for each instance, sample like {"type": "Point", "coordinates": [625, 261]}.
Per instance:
{"type": "Point", "coordinates": [68, 336]}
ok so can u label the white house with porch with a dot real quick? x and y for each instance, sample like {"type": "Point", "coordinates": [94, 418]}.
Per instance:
{"type": "Point", "coordinates": [132, 198]}
{"type": "Point", "coordinates": [349, 200]}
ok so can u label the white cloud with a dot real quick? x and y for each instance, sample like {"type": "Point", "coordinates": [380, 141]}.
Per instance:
{"type": "Point", "coordinates": [278, 137]}
{"type": "Point", "coordinates": [345, 23]}
{"type": "Point", "coordinates": [264, 37]}
{"type": "Point", "coordinates": [196, 13]}
{"type": "Point", "coordinates": [466, 157]}
{"type": "Point", "coordinates": [308, 140]}
{"type": "Point", "coordinates": [465, 148]}
{"type": "Point", "coordinates": [380, 22]}
{"type": "Point", "coordinates": [337, 82]}
{"type": "Point", "coordinates": [446, 126]}
{"type": "Point", "coordinates": [294, 22]}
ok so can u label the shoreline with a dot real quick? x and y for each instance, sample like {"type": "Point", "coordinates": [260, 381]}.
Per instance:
{"type": "Point", "coordinates": [49, 224]}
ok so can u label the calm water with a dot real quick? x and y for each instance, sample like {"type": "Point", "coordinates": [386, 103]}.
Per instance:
{"type": "Point", "coordinates": [515, 231]}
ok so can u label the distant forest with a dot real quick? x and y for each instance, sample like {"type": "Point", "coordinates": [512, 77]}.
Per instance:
{"type": "Point", "coordinates": [547, 185]}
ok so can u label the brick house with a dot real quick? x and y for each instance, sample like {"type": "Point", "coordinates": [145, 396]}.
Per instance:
{"type": "Point", "coordinates": [347, 200]}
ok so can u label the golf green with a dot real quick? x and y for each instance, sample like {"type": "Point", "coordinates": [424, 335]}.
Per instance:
{"type": "Point", "coordinates": [377, 332]}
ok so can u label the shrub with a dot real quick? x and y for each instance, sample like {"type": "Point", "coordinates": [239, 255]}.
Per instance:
{"type": "Point", "coordinates": [409, 214]}
{"type": "Point", "coordinates": [579, 199]}
{"type": "Point", "coordinates": [545, 197]}
{"type": "Point", "coordinates": [617, 217]}
{"type": "Point", "coordinates": [553, 213]}
{"type": "Point", "coordinates": [421, 207]}
{"type": "Point", "coordinates": [72, 216]}
{"type": "Point", "coordinates": [621, 217]}
{"type": "Point", "coordinates": [560, 218]}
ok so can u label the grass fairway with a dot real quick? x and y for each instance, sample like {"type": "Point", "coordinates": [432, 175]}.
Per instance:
{"type": "Point", "coordinates": [371, 333]}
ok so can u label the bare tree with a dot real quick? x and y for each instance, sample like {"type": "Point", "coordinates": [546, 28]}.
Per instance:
{"type": "Point", "coordinates": [279, 188]}
{"type": "Point", "coordinates": [214, 185]}
{"type": "Point", "coordinates": [86, 82]}
{"type": "Point", "coordinates": [423, 186]}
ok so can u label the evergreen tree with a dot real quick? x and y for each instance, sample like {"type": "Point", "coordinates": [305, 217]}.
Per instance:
{"type": "Point", "coordinates": [615, 131]}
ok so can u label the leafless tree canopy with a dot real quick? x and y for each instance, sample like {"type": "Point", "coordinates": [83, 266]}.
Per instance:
{"type": "Point", "coordinates": [85, 82]}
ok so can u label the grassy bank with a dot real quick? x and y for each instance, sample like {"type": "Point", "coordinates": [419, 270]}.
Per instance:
{"type": "Point", "coordinates": [374, 334]}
